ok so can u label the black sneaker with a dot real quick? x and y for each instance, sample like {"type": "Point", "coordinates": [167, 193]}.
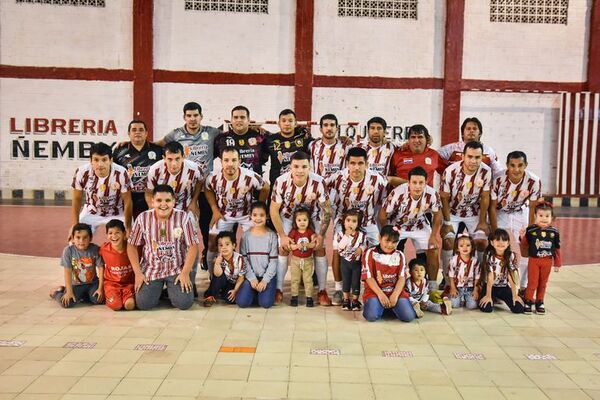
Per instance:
{"type": "Point", "coordinates": [356, 305]}
{"type": "Point", "coordinates": [310, 302]}
{"type": "Point", "coordinates": [346, 306]}
{"type": "Point", "coordinates": [539, 308]}
{"type": "Point", "coordinates": [294, 301]}
{"type": "Point", "coordinates": [527, 307]}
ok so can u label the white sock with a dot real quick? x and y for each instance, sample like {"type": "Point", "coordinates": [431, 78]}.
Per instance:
{"type": "Point", "coordinates": [321, 268]}
{"type": "Point", "coordinates": [446, 256]}
{"type": "Point", "coordinates": [523, 272]}
{"type": "Point", "coordinates": [210, 261]}
{"type": "Point", "coordinates": [338, 285]}
{"type": "Point", "coordinates": [282, 267]}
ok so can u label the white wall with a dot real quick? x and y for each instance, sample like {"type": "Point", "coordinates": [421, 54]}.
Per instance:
{"type": "Point", "coordinates": [66, 36]}
{"type": "Point", "coordinates": [527, 52]}
{"type": "Point", "coordinates": [227, 42]}
{"type": "Point", "coordinates": [380, 47]}
{"type": "Point", "coordinates": [78, 100]}
{"type": "Point", "coordinates": [519, 121]}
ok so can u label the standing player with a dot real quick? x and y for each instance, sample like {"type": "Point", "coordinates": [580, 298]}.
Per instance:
{"type": "Point", "coordinates": [230, 194]}
{"type": "Point", "coordinates": [248, 141]}
{"type": "Point", "coordinates": [328, 153]}
{"type": "Point", "coordinates": [471, 130]}
{"type": "Point", "coordinates": [379, 151]}
{"type": "Point", "coordinates": [407, 208]}
{"type": "Point", "coordinates": [355, 187]}
{"type": "Point", "coordinates": [465, 195]}
{"type": "Point", "coordinates": [514, 195]}
{"type": "Point", "coordinates": [298, 187]}
{"type": "Point", "coordinates": [137, 155]}
{"type": "Point", "coordinates": [106, 188]}
{"type": "Point", "coordinates": [198, 142]}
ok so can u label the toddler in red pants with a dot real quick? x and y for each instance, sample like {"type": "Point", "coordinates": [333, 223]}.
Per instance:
{"type": "Point", "coordinates": [541, 243]}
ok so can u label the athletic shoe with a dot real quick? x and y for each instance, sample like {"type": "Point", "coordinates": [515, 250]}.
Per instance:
{"type": "Point", "coordinates": [209, 301]}
{"type": "Point", "coordinates": [278, 296]}
{"type": "Point", "coordinates": [346, 306]}
{"type": "Point", "coordinates": [539, 308]}
{"type": "Point", "coordinates": [356, 305]}
{"type": "Point", "coordinates": [527, 307]}
{"type": "Point", "coordinates": [417, 307]}
{"type": "Point", "coordinates": [310, 302]}
{"type": "Point", "coordinates": [56, 290]}
{"type": "Point", "coordinates": [337, 297]}
{"type": "Point", "coordinates": [446, 306]}
{"type": "Point", "coordinates": [294, 301]}
{"type": "Point", "coordinates": [324, 298]}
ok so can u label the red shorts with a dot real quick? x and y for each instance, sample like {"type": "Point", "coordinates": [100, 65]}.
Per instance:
{"type": "Point", "coordinates": [116, 294]}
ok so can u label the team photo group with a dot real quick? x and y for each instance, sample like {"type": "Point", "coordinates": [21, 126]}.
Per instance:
{"type": "Point", "coordinates": [483, 235]}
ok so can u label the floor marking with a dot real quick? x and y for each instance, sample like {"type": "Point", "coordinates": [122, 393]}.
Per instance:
{"type": "Point", "coordinates": [151, 347]}
{"type": "Point", "coordinates": [11, 343]}
{"type": "Point", "coordinates": [468, 356]}
{"type": "Point", "coordinates": [227, 349]}
{"type": "Point", "coordinates": [79, 345]}
{"type": "Point", "coordinates": [397, 354]}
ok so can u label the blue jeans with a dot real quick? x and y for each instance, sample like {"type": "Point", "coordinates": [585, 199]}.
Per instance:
{"type": "Point", "coordinates": [466, 295]}
{"type": "Point", "coordinates": [83, 292]}
{"type": "Point", "coordinates": [148, 296]}
{"type": "Point", "coordinates": [247, 296]}
{"type": "Point", "coordinates": [373, 310]}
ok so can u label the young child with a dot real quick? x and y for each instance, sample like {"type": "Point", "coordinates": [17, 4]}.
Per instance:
{"type": "Point", "coordinates": [418, 290]}
{"type": "Point", "coordinates": [384, 272]}
{"type": "Point", "coordinates": [350, 243]}
{"type": "Point", "coordinates": [119, 279]}
{"type": "Point", "coordinates": [541, 243]}
{"type": "Point", "coordinates": [500, 274]}
{"type": "Point", "coordinates": [301, 261]}
{"type": "Point", "coordinates": [259, 249]}
{"type": "Point", "coordinates": [80, 261]}
{"type": "Point", "coordinates": [464, 272]}
{"type": "Point", "coordinates": [228, 273]}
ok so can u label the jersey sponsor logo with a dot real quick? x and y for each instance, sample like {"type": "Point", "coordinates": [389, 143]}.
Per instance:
{"type": "Point", "coordinates": [229, 142]}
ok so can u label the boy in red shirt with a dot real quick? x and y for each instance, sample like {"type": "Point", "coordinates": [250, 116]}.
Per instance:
{"type": "Point", "coordinates": [119, 278]}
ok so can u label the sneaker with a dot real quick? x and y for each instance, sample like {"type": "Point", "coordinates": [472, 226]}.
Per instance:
{"type": "Point", "coordinates": [539, 308]}
{"type": "Point", "coordinates": [56, 290]}
{"type": "Point", "coordinates": [324, 298]}
{"type": "Point", "coordinates": [310, 302]}
{"type": "Point", "coordinates": [346, 306]}
{"type": "Point", "coordinates": [417, 307]}
{"type": "Point", "coordinates": [209, 301]}
{"type": "Point", "coordinates": [278, 296]}
{"type": "Point", "coordinates": [527, 307]}
{"type": "Point", "coordinates": [356, 305]}
{"type": "Point", "coordinates": [294, 301]}
{"type": "Point", "coordinates": [446, 306]}
{"type": "Point", "coordinates": [337, 297]}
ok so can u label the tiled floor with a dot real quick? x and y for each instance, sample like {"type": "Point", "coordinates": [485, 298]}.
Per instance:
{"type": "Point", "coordinates": [467, 355]}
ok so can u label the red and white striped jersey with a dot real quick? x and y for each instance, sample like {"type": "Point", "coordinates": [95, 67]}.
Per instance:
{"type": "Point", "coordinates": [327, 159]}
{"type": "Point", "coordinates": [379, 158]}
{"type": "Point", "coordinates": [347, 245]}
{"type": "Point", "coordinates": [513, 197]}
{"type": "Point", "coordinates": [234, 267]}
{"type": "Point", "coordinates": [408, 214]}
{"type": "Point", "coordinates": [494, 265]}
{"type": "Point", "coordinates": [165, 243]}
{"type": "Point", "coordinates": [464, 273]}
{"type": "Point", "coordinates": [367, 195]}
{"type": "Point", "coordinates": [291, 196]}
{"type": "Point", "coordinates": [386, 269]}
{"type": "Point", "coordinates": [465, 190]}
{"type": "Point", "coordinates": [419, 293]}
{"type": "Point", "coordinates": [183, 183]}
{"type": "Point", "coordinates": [234, 197]}
{"type": "Point", "coordinates": [453, 152]}
{"type": "Point", "coordinates": [102, 195]}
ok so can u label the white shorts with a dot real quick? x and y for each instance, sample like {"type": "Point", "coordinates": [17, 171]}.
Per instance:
{"type": "Point", "coordinates": [95, 221]}
{"type": "Point", "coordinates": [470, 222]}
{"type": "Point", "coordinates": [371, 232]}
{"type": "Point", "coordinates": [513, 222]}
{"type": "Point", "coordinates": [419, 239]}
{"type": "Point", "coordinates": [287, 227]}
{"type": "Point", "coordinates": [228, 223]}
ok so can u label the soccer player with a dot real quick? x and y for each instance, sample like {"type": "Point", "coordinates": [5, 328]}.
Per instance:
{"type": "Point", "coordinates": [360, 188]}
{"type": "Point", "coordinates": [415, 153]}
{"type": "Point", "coordinates": [407, 208]}
{"type": "Point", "coordinates": [168, 242]}
{"type": "Point", "coordinates": [298, 187]}
{"type": "Point", "coordinates": [379, 151]}
{"type": "Point", "coordinates": [137, 156]}
{"type": "Point", "coordinates": [471, 130]}
{"type": "Point", "coordinates": [230, 192]}
{"type": "Point", "coordinates": [465, 195]}
{"type": "Point", "coordinates": [328, 153]}
{"type": "Point", "coordinates": [247, 140]}
{"type": "Point", "coordinates": [514, 195]}
{"type": "Point", "coordinates": [106, 188]}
